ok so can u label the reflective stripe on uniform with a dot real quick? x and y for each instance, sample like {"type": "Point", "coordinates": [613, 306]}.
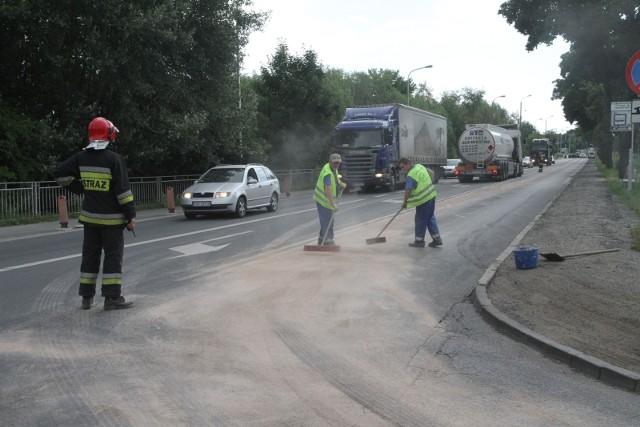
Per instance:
{"type": "Point", "coordinates": [88, 278]}
{"type": "Point", "coordinates": [125, 197]}
{"type": "Point", "coordinates": [64, 181]}
{"type": "Point", "coordinates": [101, 219]}
{"type": "Point", "coordinates": [112, 279]}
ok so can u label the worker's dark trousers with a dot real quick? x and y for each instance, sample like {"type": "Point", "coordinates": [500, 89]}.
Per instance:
{"type": "Point", "coordinates": [326, 225]}
{"type": "Point", "coordinates": [96, 240]}
{"type": "Point", "coordinates": [426, 219]}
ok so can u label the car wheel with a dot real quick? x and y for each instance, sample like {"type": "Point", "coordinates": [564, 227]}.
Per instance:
{"type": "Point", "coordinates": [273, 204]}
{"type": "Point", "coordinates": [241, 207]}
{"type": "Point", "coordinates": [189, 215]}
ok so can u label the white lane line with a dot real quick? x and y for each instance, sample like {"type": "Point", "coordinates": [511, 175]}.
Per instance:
{"type": "Point", "coordinates": [50, 260]}
{"type": "Point", "coordinates": [146, 242]}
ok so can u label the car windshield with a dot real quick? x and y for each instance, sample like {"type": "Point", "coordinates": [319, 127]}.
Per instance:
{"type": "Point", "coordinates": [453, 162]}
{"type": "Point", "coordinates": [223, 175]}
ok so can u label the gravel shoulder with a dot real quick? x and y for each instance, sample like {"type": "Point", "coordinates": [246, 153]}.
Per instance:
{"type": "Point", "coordinates": [589, 303]}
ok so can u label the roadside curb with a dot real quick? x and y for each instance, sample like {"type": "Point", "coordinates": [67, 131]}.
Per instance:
{"type": "Point", "coordinates": [581, 362]}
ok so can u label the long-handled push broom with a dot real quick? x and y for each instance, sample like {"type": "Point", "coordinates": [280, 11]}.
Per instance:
{"type": "Point", "coordinates": [321, 247]}
{"type": "Point", "coordinates": [379, 239]}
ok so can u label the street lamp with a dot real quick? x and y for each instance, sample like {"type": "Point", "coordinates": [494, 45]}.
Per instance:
{"type": "Point", "coordinates": [408, 88]}
{"type": "Point", "coordinates": [494, 99]}
{"type": "Point", "coordinates": [520, 118]}
{"type": "Point", "coordinates": [545, 123]}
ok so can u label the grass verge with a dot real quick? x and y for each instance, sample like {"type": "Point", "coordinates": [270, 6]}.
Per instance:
{"type": "Point", "coordinates": [629, 198]}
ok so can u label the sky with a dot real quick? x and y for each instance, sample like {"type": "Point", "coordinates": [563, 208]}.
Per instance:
{"type": "Point", "coordinates": [467, 43]}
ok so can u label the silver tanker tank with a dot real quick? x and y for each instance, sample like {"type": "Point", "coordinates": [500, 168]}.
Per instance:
{"type": "Point", "coordinates": [485, 144]}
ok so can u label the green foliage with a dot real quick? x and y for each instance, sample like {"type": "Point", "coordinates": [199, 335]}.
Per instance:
{"type": "Point", "coordinates": [630, 198]}
{"type": "Point", "coordinates": [603, 36]}
{"type": "Point", "coordinates": [296, 111]}
{"type": "Point", "coordinates": [164, 72]}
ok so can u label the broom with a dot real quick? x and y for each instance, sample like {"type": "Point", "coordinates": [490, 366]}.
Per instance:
{"type": "Point", "coordinates": [321, 247]}
{"type": "Point", "coordinates": [379, 239]}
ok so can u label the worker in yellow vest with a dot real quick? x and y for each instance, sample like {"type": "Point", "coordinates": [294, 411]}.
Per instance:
{"type": "Point", "coordinates": [326, 197]}
{"type": "Point", "coordinates": [420, 193]}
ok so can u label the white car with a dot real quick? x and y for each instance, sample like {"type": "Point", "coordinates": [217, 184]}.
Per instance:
{"type": "Point", "coordinates": [450, 168]}
{"type": "Point", "coordinates": [526, 162]}
{"type": "Point", "coordinates": [232, 189]}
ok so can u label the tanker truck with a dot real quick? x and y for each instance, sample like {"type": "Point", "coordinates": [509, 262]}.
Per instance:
{"type": "Point", "coordinates": [371, 139]}
{"type": "Point", "coordinates": [489, 152]}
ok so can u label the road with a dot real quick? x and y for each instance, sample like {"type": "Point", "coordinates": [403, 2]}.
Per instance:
{"type": "Point", "coordinates": [234, 324]}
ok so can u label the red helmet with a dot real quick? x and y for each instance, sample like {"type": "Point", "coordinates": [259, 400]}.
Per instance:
{"type": "Point", "coordinates": [101, 129]}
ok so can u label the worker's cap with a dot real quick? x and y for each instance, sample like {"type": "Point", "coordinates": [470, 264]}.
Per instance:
{"type": "Point", "coordinates": [335, 158]}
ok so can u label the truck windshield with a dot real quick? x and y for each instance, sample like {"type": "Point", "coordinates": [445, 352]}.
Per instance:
{"type": "Point", "coordinates": [359, 138]}
{"type": "Point", "coordinates": [539, 145]}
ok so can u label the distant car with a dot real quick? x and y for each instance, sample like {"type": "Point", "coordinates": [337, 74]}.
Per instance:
{"type": "Point", "coordinates": [526, 162]}
{"type": "Point", "coordinates": [591, 153]}
{"type": "Point", "coordinates": [232, 189]}
{"type": "Point", "coordinates": [450, 168]}
{"type": "Point", "coordinates": [582, 155]}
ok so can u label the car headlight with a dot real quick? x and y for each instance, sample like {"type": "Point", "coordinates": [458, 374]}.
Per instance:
{"type": "Point", "coordinates": [186, 195]}
{"type": "Point", "coordinates": [222, 194]}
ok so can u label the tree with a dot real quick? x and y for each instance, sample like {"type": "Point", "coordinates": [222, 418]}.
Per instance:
{"type": "Point", "coordinates": [296, 110]}
{"type": "Point", "coordinates": [165, 72]}
{"type": "Point", "coordinates": [603, 35]}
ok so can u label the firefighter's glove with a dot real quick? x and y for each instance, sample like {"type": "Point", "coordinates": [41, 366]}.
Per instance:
{"type": "Point", "coordinates": [335, 206]}
{"type": "Point", "coordinates": [343, 185]}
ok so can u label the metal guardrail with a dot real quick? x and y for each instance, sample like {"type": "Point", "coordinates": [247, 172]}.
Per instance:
{"type": "Point", "coordinates": [24, 200]}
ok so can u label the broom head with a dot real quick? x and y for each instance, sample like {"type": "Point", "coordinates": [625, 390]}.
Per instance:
{"type": "Point", "coordinates": [376, 240]}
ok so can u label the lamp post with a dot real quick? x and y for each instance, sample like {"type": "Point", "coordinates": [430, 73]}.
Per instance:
{"type": "Point", "coordinates": [408, 81]}
{"type": "Point", "coordinates": [494, 99]}
{"type": "Point", "coordinates": [545, 123]}
{"type": "Point", "coordinates": [520, 118]}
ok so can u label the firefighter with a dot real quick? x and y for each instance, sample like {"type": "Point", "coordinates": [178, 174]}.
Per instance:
{"type": "Point", "coordinates": [108, 207]}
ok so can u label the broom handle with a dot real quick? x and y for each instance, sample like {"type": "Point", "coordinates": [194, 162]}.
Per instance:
{"type": "Point", "coordinates": [592, 252]}
{"type": "Point", "coordinates": [392, 218]}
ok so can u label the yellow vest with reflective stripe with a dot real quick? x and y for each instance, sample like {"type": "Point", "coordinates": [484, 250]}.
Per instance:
{"type": "Point", "coordinates": [425, 190]}
{"type": "Point", "coordinates": [319, 195]}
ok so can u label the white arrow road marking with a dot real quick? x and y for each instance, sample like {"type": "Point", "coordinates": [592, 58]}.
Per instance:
{"type": "Point", "coordinates": [196, 249]}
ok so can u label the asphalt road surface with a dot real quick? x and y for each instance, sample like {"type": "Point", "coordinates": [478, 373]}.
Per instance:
{"type": "Point", "coordinates": [234, 324]}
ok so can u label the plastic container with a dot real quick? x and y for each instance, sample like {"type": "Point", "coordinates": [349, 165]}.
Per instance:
{"type": "Point", "coordinates": [526, 257]}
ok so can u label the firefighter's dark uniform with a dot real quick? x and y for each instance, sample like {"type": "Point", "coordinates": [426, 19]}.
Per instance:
{"type": "Point", "coordinates": [108, 205]}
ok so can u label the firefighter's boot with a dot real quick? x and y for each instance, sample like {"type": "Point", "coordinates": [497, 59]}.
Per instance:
{"type": "Point", "coordinates": [116, 303]}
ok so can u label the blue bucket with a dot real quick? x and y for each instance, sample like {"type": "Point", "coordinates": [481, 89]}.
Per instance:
{"type": "Point", "coordinates": [526, 257]}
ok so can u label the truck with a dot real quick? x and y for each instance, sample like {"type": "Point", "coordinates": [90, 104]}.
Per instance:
{"type": "Point", "coordinates": [541, 151]}
{"type": "Point", "coordinates": [371, 139]}
{"type": "Point", "coordinates": [488, 152]}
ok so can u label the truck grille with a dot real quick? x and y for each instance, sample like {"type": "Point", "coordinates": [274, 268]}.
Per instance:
{"type": "Point", "coordinates": [359, 168]}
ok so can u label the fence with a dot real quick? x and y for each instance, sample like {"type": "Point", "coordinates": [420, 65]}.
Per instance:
{"type": "Point", "coordinates": [24, 200]}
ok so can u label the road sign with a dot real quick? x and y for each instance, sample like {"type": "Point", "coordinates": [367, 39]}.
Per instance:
{"type": "Point", "coordinates": [621, 116]}
{"type": "Point", "coordinates": [633, 72]}
{"type": "Point", "coordinates": [635, 111]}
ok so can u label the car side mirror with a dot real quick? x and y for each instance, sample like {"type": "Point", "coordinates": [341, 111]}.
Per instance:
{"type": "Point", "coordinates": [251, 180]}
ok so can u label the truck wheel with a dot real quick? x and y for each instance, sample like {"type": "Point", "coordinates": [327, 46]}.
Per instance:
{"type": "Point", "coordinates": [391, 184]}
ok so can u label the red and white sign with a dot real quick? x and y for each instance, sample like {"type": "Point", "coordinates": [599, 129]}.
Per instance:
{"type": "Point", "coordinates": [633, 72]}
